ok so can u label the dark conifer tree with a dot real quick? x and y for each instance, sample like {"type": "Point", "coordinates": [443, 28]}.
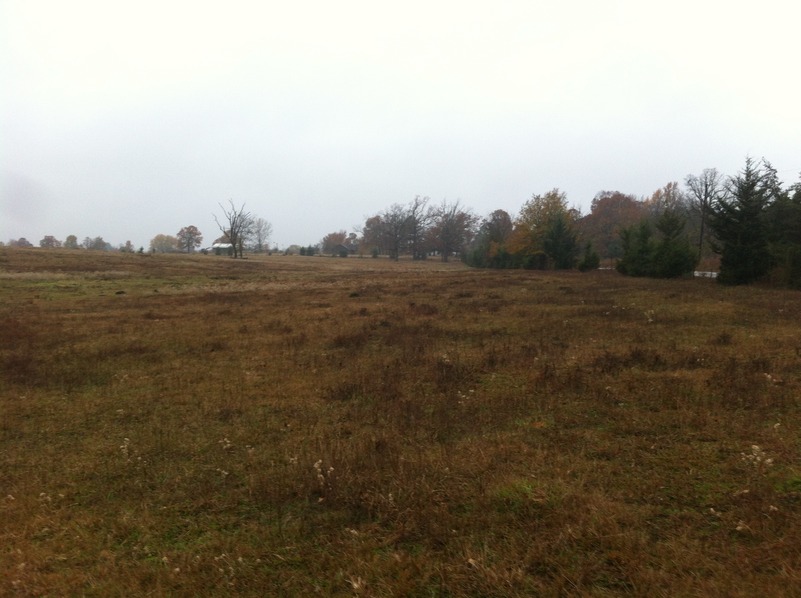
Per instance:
{"type": "Point", "coordinates": [739, 223]}
{"type": "Point", "coordinates": [560, 243]}
{"type": "Point", "coordinates": [784, 236]}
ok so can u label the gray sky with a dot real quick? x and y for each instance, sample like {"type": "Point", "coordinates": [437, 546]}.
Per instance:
{"type": "Point", "coordinates": [130, 119]}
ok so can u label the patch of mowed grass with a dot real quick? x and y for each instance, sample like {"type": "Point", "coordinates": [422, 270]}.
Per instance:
{"type": "Point", "coordinates": [300, 426]}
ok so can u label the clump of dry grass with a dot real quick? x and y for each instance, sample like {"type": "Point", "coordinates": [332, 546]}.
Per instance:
{"type": "Point", "coordinates": [299, 426]}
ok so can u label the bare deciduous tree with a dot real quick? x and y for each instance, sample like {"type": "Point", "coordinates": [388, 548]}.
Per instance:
{"type": "Point", "coordinates": [704, 190]}
{"type": "Point", "coordinates": [418, 221]}
{"type": "Point", "coordinates": [395, 229]}
{"type": "Point", "coordinates": [262, 231]}
{"type": "Point", "coordinates": [237, 225]}
{"type": "Point", "coordinates": [373, 238]}
{"type": "Point", "coordinates": [452, 229]}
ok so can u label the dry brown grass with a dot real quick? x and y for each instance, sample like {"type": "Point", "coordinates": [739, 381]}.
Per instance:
{"type": "Point", "coordinates": [312, 426]}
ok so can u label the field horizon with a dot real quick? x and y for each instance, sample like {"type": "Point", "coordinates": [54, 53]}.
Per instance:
{"type": "Point", "coordinates": [191, 425]}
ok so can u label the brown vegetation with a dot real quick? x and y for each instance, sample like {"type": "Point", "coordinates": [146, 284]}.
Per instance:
{"type": "Point", "coordinates": [195, 425]}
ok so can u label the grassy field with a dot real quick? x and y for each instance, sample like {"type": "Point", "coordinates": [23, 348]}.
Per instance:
{"type": "Point", "coordinates": [298, 426]}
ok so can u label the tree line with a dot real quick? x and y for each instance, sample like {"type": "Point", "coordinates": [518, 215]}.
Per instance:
{"type": "Point", "coordinates": [71, 242]}
{"type": "Point", "coordinates": [187, 239]}
{"type": "Point", "coordinates": [747, 226]}
{"type": "Point", "coordinates": [240, 230]}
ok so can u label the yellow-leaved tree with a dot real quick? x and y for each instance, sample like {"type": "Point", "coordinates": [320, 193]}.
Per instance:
{"type": "Point", "coordinates": [532, 241]}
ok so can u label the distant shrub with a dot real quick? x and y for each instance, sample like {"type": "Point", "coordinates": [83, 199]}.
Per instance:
{"type": "Point", "coordinates": [590, 260]}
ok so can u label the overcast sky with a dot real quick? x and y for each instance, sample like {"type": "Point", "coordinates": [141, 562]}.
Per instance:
{"type": "Point", "coordinates": [127, 119]}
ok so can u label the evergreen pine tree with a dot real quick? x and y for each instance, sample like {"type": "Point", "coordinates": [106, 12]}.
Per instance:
{"type": "Point", "coordinates": [591, 259]}
{"type": "Point", "coordinates": [672, 256]}
{"type": "Point", "coordinates": [784, 236]}
{"type": "Point", "coordinates": [738, 221]}
{"type": "Point", "coordinates": [638, 250]}
{"type": "Point", "coordinates": [560, 243]}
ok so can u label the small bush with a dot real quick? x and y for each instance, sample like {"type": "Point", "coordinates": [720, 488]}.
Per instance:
{"type": "Point", "coordinates": [590, 260]}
